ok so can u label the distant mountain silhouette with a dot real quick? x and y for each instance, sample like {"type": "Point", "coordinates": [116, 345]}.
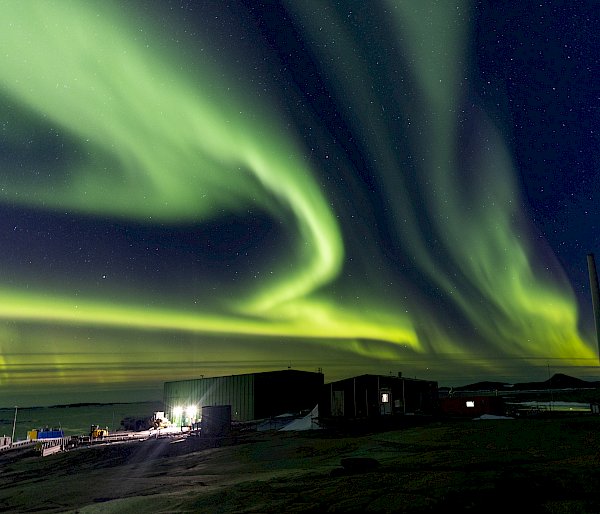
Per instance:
{"type": "Point", "coordinates": [557, 381]}
{"type": "Point", "coordinates": [484, 386]}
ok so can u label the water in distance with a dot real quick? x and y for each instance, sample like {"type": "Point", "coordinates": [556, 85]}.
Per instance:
{"type": "Point", "coordinates": [73, 419]}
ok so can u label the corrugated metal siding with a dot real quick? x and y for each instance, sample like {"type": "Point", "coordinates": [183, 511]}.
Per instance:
{"type": "Point", "coordinates": [251, 396]}
{"type": "Point", "coordinates": [236, 390]}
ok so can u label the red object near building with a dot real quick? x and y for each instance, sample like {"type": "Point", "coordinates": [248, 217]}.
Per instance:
{"type": "Point", "coordinates": [472, 406]}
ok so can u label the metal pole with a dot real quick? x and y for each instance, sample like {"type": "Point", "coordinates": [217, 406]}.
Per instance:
{"type": "Point", "coordinates": [12, 439]}
{"type": "Point", "coordinates": [550, 384]}
{"type": "Point", "coordinates": [595, 289]}
{"type": "Point", "coordinates": [354, 395]}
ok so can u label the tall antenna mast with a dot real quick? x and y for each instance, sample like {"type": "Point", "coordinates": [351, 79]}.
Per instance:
{"type": "Point", "coordinates": [595, 288]}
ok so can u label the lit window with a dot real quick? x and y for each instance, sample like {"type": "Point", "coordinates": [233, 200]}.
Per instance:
{"type": "Point", "coordinates": [385, 397]}
{"type": "Point", "coordinates": [470, 403]}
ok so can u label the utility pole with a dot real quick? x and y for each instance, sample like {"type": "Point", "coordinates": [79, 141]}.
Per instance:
{"type": "Point", "coordinates": [12, 439]}
{"type": "Point", "coordinates": [550, 384]}
{"type": "Point", "coordinates": [595, 290]}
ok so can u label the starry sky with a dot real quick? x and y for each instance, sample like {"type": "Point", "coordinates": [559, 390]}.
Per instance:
{"type": "Point", "coordinates": [207, 188]}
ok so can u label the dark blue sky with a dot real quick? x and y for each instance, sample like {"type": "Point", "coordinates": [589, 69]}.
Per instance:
{"type": "Point", "coordinates": [207, 188]}
{"type": "Point", "coordinates": [539, 64]}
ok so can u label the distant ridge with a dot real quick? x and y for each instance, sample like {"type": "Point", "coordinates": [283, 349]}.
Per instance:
{"type": "Point", "coordinates": [557, 381]}
{"type": "Point", "coordinates": [92, 404]}
{"type": "Point", "coordinates": [484, 386]}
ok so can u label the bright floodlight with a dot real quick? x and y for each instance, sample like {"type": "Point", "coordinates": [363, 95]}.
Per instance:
{"type": "Point", "coordinates": [191, 411]}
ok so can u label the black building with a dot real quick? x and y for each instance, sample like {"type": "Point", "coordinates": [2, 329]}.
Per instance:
{"type": "Point", "coordinates": [368, 396]}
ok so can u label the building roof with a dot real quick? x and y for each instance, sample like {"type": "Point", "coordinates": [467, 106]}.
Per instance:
{"type": "Point", "coordinates": [285, 371]}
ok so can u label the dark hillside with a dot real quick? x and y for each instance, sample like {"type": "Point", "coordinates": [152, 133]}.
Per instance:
{"type": "Point", "coordinates": [557, 381]}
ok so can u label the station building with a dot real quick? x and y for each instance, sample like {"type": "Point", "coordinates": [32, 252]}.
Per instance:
{"type": "Point", "coordinates": [368, 396]}
{"type": "Point", "coordinates": [252, 396]}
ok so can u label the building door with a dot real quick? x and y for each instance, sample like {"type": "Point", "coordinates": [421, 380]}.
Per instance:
{"type": "Point", "coordinates": [385, 402]}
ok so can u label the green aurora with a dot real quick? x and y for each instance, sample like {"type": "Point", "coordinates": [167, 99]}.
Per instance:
{"type": "Point", "coordinates": [114, 119]}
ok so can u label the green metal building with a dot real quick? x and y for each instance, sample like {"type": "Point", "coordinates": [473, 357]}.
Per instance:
{"type": "Point", "coordinates": [252, 396]}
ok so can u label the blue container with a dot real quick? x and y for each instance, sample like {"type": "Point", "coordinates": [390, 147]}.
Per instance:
{"type": "Point", "coordinates": [50, 434]}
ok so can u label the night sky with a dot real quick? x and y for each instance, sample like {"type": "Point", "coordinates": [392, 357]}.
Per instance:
{"type": "Point", "coordinates": [205, 188]}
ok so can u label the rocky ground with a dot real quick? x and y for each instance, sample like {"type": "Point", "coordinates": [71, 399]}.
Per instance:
{"type": "Point", "coordinates": [544, 464]}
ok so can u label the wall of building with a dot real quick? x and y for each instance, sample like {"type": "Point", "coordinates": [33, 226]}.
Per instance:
{"type": "Point", "coordinates": [251, 396]}
{"type": "Point", "coordinates": [234, 390]}
{"type": "Point", "coordinates": [377, 395]}
{"type": "Point", "coordinates": [472, 406]}
{"type": "Point", "coordinates": [286, 392]}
